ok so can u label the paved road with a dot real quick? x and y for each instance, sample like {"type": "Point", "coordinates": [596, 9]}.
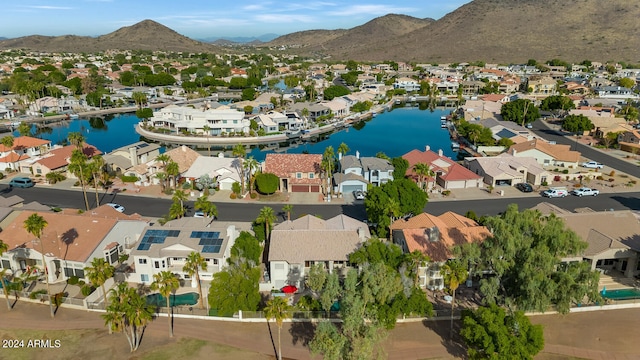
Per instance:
{"type": "Point", "coordinates": [156, 207]}
{"type": "Point", "coordinates": [541, 129]}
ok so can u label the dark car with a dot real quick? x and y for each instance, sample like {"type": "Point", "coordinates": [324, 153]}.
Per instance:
{"type": "Point", "coordinates": [524, 187]}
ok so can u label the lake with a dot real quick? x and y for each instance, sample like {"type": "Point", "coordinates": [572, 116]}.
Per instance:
{"type": "Point", "coordinates": [393, 132]}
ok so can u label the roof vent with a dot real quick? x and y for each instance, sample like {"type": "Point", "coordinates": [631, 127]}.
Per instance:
{"type": "Point", "coordinates": [432, 234]}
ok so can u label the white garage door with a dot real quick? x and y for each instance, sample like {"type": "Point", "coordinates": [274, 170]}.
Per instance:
{"type": "Point", "coordinates": [351, 188]}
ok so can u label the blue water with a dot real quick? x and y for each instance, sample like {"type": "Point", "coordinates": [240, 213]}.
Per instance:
{"type": "Point", "coordinates": [394, 132]}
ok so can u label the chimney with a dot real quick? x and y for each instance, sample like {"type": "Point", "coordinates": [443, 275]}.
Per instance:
{"type": "Point", "coordinates": [361, 234]}
{"type": "Point", "coordinates": [440, 152]}
{"type": "Point", "coordinates": [357, 154]}
{"type": "Point", "coordinates": [184, 148]}
{"type": "Point", "coordinates": [133, 155]}
{"type": "Point", "coordinates": [339, 156]}
{"type": "Point", "coordinates": [514, 152]}
{"type": "Point", "coordinates": [427, 148]}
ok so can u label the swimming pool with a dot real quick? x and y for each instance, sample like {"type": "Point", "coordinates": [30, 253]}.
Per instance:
{"type": "Point", "coordinates": [175, 300]}
{"type": "Point", "coordinates": [621, 294]}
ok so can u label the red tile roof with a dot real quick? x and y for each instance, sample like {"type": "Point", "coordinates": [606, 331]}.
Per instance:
{"type": "Point", "coordinates": [25, 142]}
{"type": "Point", "coordinates": [58, 158]}
{"type": "Point", "coordinates": [287, 165]}
{"type": "Point", "coordinates": [449, 169]}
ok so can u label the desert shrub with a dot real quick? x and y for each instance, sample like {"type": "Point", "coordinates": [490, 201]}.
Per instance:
{"type": "Point", "coordinates": [565, 171]}
{"type": "Point", "coordinates": [576, 185]}
{"type": "Point", "coordinates": [611, 180]}
{"type": "Point", "coordinates": [599, 178]}
{"type": "Point", "coordinates": [235, 187]}
{"type": "Point", "coordinates": [544, 183]}
{"type": "Point", "coordinates": [35, 294]}
{"type": "Point", "coordinates": [1, 176]}
{"type": "Point", "coordinates": [233, 195]}
{"type": "Point", "coordinates": [267, 183]}
{"type": "Point", "coordinates": [253, 195]}
{"type": "Point", "coordinates": [446, 192]}
{"type": "Point", "coordinates": [612, 173]}
{"type": "Point", "coordinates": [128, 179]}
{"type": "Point", "coordinates": [87, 290]}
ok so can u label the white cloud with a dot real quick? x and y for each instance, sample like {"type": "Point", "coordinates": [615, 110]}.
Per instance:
{"type": "Point", "coordinates": [47, 7]}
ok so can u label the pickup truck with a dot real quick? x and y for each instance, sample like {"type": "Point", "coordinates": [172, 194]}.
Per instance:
{"type": "Point", "coordinates": [585, 191]}
{"type": "Point", "coordinates": [592, 165]}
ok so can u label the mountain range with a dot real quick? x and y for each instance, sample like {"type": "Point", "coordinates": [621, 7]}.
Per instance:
{"type": "Point", "coordinates": [501, 31]}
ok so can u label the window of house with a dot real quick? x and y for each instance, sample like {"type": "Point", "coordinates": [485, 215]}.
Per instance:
{"type": "Point", "coordinates": [310, 175]}
{"type": "Point", "coordinates": [144, 277]}
{"type": "Point", "coordinates": [307, 264]}
{"type": "Point", "coordinates": [39, 171]}
{"type": "Point", "coordinates": [156, 264]}
{"type": "Point", "coordinates": [215, 261]}
{"type": "Point", "coordinates": [142, 261]}
{"type": "Point", "coordinates": [278, 266]}
{"type": "Point", "coordinates": [235, 121]}
{"type": "Point", "coordinates": [163, 265]}
{"type": "Point", "coordinates": [298, 175]}
{"type": "Point", "coordinates": [224, 121]}
{"type": "Point", "coordinates": [608, 262]}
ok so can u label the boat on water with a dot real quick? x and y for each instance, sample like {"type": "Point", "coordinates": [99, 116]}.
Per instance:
{"type": "Point", "coordinates": [455, 146]}
{"type": "Point", "coordinates": [72, 116]}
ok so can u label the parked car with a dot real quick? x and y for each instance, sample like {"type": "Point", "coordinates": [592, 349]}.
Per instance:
{"type": "Point", "coordinates": [555, 192]}
{"type": "Point", "coordinates": [116, 207]}
{"type": "Point", "coordinates": [592, 165]}
{"type": "Point", "coordinates": [585, 191]}
{"type": "Point", "coordinates": [524, 187]}
{"type": "Point", "coordinates": [358, 195]}
{"type": "Point", "coordinates": [200, 214]}
{"type": "Point", "coordinates": [21, 182]}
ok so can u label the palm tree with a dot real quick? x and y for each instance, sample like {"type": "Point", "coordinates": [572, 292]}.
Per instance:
{"type": "Point", "coordinates": [343, 149]}
{"type": "Point", "coordinates": [267, 217]}
{"type": "Point", "coordinates": [98, 273]}
{"type": "Point", "coordinates": [4, 248]}
{"type": "Point", "coordinates": [279, 310]}
{"type": "Point", "coordinates": [128, 312]}
{"type": "Point", "coordinates": [164, 160]}
{"type": "Point", "coordinates": [423, 171]}
{"type": "Point", "coordinates": [78, 166]}
{"type": "Point", "coordinates": [96, 167]}
{"type": "Point", "coordinates": [173, 170]}
{"type": "Point", "coordinates": [287, 208]}
{"type": "Point", "coordinates": [35, 225]}
{"type": "Point", "coordinates": [454, 273]}
{"type": "Point", "coordinates": [76, 139]}
{"type": "Point", "coordinates": [474, 135]}
{"type": "Point", "coordinates": [180, 196]}
{"type": "Point", "coordinates": [192, 266]}
{"type": "Point", "coordinates": [240, 152]}
{"type": "Point", "coordinates": [139, 98]}
{"type": "Point", "coordinates": [392, 209]}
{"type": "Point", "coordinates": [176, 211]}
{"type": "Point", "coordinates": [415, 260]}
{"type": "Point", "coordinates": [162, 177]}
{"type": "Point", "coordinates": [207, 207]}
{"type": "Point", "coordinates": [24, 129]}
{"type": "Point", "coordinates": [207, 132]}
{"type": "Point", "coordinates": [251, 165]}
{"type": "Point", "coordinates": [166, 283]}
{"type": "Point", "coordinates": [328, 163]}
{"type": "Point", "coordinates": [8, 142]}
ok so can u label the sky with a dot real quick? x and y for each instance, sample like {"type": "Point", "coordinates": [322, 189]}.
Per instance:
{"type": "Point", "coordinates": [201, 19]}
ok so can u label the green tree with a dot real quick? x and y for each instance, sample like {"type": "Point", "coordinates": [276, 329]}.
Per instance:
{"type": "Point", "coordinates": [235, 288]}
{"type": "Point", "coordinates": [454, 273]}
{"type": "Point", "coordinates": [24, 129]}
{"type": "Point", "coordinates": [246, 249]}
{"type": "Point", "coordinates": [520, 111]}
{"type": "Point", "coordinates": [173, 170]}
{"type": "Point", "coordinates": [35, 225]}
{"type": "Point", "coordinates": [144, 113]}
{"type": "Point", "coordinates": [278, 309]}
{"type": "Point", "coordinates": [4, 248]}
{"type": "Point", "coordinates": [8, 142]}
{"type": "Point", "coordinates": [328, 164]}
{"type": "Point", "coordinates": [166, 283]}
{"type": "Point", "coordinates": [207, 207]}
{"type": "Point", "coordinates": [96, 169]}
{"type": "Point", "coordinates": [287, 208]}
{"type": "Point", "coordinates": [627, 83]}
{"type": "Point", "coordinates": [179, 196]}
{"type": "Point", "coordinates": [335, 91]}
{"type": "Point", "coordinates": [557, 102]}
{"type": "Point", "coordinates": [164, 159]}
{"type": "Point", "coordinates": [267, 183]}
{"type": "Point", "coordinates": [192, 266]}
{"type": "Point", "coordinates": [414, 261]}
{"type": "Point", "coordinates": [400, 167]}
{"type": "Point", "coordinates": [251, 165]}
{"type": "Point", "coordinates": [492, 334]}
{"type": "Point", "coordinates": [577, 124]}
{"type": "Point", "coordinates": [266, 217]}
{"type": "Point", "coordinates": [139, 98]}
{"type": "Point", "coordinates": [423, 171]}
{"type": "Point", "coordinates": [98, 273]}
{"type": "Point", "coordinates": [239, 152]}
{"type": "Point", "coordinates": [330, 291]}
{"type": "Point", "coordinates": [129, 313]}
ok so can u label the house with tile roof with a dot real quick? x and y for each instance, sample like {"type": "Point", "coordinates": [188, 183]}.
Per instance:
{"type": "Point", "coordinates": [166, 248]}
{"type": "Point", "coordinates": [70, 240]}
{"type": "Point", "coordinates": [435, 237]}
{"type": "Point", "coordinates": [547, 154]}
{"type": "Point", "coordinates": [613, 238]}
{"type": "Point", "coordinates": [24, 148]}
{"type": "Point", "coordinates": [182, 155]}
{"type": "Point", "coordinates": [356, 172]}
{"type": "Point", "coordinates": [57, 159]}
{"type": "Point", "coordinates": [297, 172]}
{"type": "Point", "coordinates": [126, 157]}
{"type": "Point", "coordinates": [224, 171]}
{"type": "Point", "coordinates": [508, 170]}
{"type": "Point", "coordinates": [448, 173]}
{"type": "Point", "coordinates": [296, 245]}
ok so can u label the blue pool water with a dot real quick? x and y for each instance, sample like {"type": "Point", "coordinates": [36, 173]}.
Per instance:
{"type": "Point", "coordinates": [394, 132]}
{"type": "Point", "coordinates": [621, 294]}
{"type": "Point", "coordinates": [175, 300]}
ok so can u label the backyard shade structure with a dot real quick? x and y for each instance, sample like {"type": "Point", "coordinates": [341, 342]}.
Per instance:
{"type": "Point", "coordinates": [289, 289]}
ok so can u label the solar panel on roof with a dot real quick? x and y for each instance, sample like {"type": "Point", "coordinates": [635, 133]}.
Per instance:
{"type": "Point", "coordinates": [211, 249]}
{"type": "Point", "coordinates": [174, 233]}
{"type": "Point", "coordinates": [144, 246]}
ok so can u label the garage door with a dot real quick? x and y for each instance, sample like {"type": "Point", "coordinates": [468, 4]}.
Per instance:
{"type": "Point", "coordinates": [315, 188]}
{"type": "Point", "coordinates": [299, 188]}
{"type": "Point", "coordinates": [351, 188]}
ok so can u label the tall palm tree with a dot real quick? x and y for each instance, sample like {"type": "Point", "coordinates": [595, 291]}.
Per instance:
{"type": "Point", "coordinates": [78, 166]}
{"type": "Point", "coordinates": [98, 273]}
{"type": "Point", "coordinates": [128, 312]}
{"type": "Point", "coordinates": [279, 310]}
{"type": "Point", "coordinates": [4, 248]}
{"type": "Point", "coordinates": [207, 132]}
{"type": "Point", "coordinates": [240, 152]}
{"type": "Point", "coordinates": [343, 149]}
{"type": "Point", "coordinates": [423, 171]}
{"type": "Point", "coordinates": [180, 196]}
{"type": "Point", "coordinates": [173, 170]}
{"type": "Point", "coordinates": [24, 129]}
{"type": "Point", "coordinates": [207, 207]}
{"type": "Point", "coordinates": [164, 160]}
{"type": "Point", "coordinates": [192, 266]}
{"type": "Point", "coordinates": [328, 164]}
{"type": "Point", "coordinates": [251, 166]}
{"type": "Point", "coordinates": [35, 225]}
{"type": "Point", "coordinates": [96, 167]}
{"type": "Point", "coordinates": [166, 283]}
{"type": "Point", "coordinates": [266, 217]}
{"type": "Point", "coordinates": [287, 208]}
{"type": "Point", "coordinates": [454, 273]}
{"type": "Point", "coordinates": [76, 139]}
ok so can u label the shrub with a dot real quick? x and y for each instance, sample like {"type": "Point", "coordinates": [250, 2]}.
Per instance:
{"type": "Point", "coordinates": [267, 183]}
{"type": "Point", "coordinates": [446, 192]}
{"type": "Point", "coordinates": [253, 195]}
{"type": "Point", "coordinates": [544, 183]}
{"type": "Point", "coordinates": [35, 294]}
{"type": "Point", "coordinates": [233, 195]}
{"type": "Point", "coordinates": [565, 171]}
{"type": "Point", "coordinates": [73, 280]}
{"type": "Point", "coordinates": [611, 179]}
{"type": "Point", "coordinates": [129, 179]}
{"type": "Point", "coordinates": [612, 173]}
{"type": "Point", "coordinates": [87, 290]}
{"type": "Point", "coordinates": [235, 187]}
{"type": "Point", "coordinates": [599, 178]}
{"type": "Point", "coordinates": [576, 185]}
{"type": "Point", "coordinates": [1, 176]}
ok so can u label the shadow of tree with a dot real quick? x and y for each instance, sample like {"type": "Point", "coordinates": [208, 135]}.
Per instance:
{"type": "Point", "coordinates": [454, 345]}
{"type": "Point", "coordinates": [302, 332]}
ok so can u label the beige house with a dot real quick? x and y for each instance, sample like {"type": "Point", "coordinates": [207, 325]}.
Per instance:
{"type": "Point", "coordinates": [506, 169]}
{"type": "Point", "coordinates": [542, 85]}
{"type": "Point", "coordinates": [297, 172]}
{"type": "Point", "coordinates": [546, 154]}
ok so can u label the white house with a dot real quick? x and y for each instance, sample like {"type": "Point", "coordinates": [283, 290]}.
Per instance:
{"type": "Point", "coordinates": [219, 120]}
{"type": "Point", "coordinates": [407, 84]}
{"type": "Point", "coordinates": [225, 171]}
{"type": "Point", "coordinates": [356, 172]}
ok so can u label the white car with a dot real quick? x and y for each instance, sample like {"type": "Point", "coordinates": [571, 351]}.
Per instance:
{"type": "Point", "coordinates": [592, 165]}
{"type": "Point", "coordinates": [585, 191]}
{"type": "Point", "coordinates": [358, 195]}
{"type": "Point", "coordinates": [116, 207]}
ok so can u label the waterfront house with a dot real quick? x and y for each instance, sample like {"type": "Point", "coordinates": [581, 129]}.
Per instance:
{"type": "Point", "coordinates": [70, 240]}
{"type": "Point", "coordinates": [542, 85]}
{"type": "Point", "coordinates": [296, 245]}
{"type": "Point", "coordinates": [407, 84]}
{"type": "Point", "coordinates": [547, 154]}
{"type": "Point", "coordinates": [508, 170]}
{"type": "Point", "coordinates": [448, 173]}
{"type": "Point", "coordinates": [24, 148]}
{"type": "Point", "coordinates": [182, 155]}
{"type": "Point", "coordinates": [220, 121]}
{"type": "Point", "coordinates": [615, 92]}
{"type": "Point", "coordinates": [314, 110]}
{"type": "Point", "coordinates": [57, 159]}
{"type": "Point", "coordinates": [435, 237]}
{"type": "Point", "coordinates": [356, 172]}
{"type": "Point", "coordinates": [166, 248]}
{"type": "Point", "coordinates": [224, 171]}
{"type": "Point", "coordinates": [297, 172]}
{"type": "Point", "coordinates": [126, 157]}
